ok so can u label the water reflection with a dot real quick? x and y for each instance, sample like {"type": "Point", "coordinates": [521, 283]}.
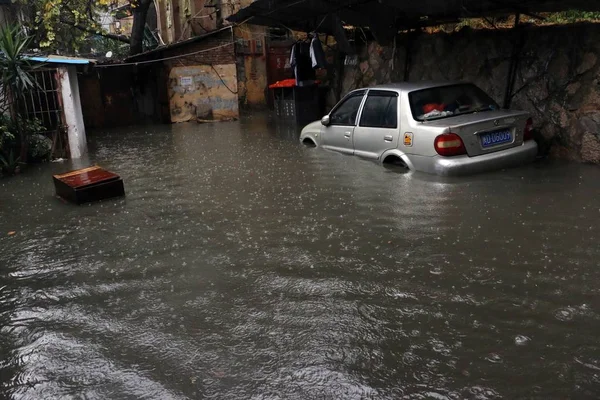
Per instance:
{"type": "Point", "coordinates": [242, 265]}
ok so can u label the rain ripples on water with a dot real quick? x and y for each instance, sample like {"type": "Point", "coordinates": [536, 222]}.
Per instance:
{"type": "Point", "coordinates": [242, 265]}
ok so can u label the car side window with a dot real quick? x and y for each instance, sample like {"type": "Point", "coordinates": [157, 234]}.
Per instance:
{"type": "Point", "coordinates": [347, 111]}
{"type": "Point", "coordinates": [380, 110]}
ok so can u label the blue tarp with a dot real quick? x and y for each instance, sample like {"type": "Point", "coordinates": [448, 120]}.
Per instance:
{"type": "Point", "coordinates": [61, 60]}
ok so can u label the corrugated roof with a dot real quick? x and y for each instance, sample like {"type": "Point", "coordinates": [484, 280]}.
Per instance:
{"type": "Point", "coordinates": [53, 59]}
{"type": "Point", "coordinates": [176, 45]}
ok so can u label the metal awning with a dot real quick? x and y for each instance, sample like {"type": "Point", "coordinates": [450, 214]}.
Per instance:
{"type": "Point", "coordinates": [183, 43]}
{"type": "Point", "coordinates": [385, 15]}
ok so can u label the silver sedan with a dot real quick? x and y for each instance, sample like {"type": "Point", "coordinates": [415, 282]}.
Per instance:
{"type": "Point", "coordinates": [444, 129]}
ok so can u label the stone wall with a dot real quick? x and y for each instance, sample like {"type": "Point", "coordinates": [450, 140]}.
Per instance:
{"type": "Point", "coordinates": [558, 76]}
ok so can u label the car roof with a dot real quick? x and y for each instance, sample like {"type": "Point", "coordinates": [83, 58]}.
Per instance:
{"type": "Point", "coordinates": [412, 86]}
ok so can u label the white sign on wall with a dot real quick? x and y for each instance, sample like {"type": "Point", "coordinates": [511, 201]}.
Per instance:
{"type": "Point", "coordinates": [186, 81]}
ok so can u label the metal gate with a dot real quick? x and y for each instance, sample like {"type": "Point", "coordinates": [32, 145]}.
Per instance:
{"type": "Point", "coordinates": [44, 103]}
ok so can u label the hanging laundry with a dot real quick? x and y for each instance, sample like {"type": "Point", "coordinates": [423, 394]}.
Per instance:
{"type": "Point", "coordinates": [302, 64]}
{"type": "Point", "coordinates": [317, 55]}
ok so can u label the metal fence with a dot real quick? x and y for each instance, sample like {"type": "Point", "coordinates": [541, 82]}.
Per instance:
{"type": "Point", "coordinates": [44, 103]}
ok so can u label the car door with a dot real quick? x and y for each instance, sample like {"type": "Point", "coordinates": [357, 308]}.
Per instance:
{"type": "Point", "coordinates": [378, 129]}
{"type": "Point", "coordinates": [338, 135]}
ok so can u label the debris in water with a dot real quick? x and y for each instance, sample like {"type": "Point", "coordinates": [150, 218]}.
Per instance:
{"type": "Point", "coordinates": [88, 184]}
{"type": "Point", "coordinates": [12, 233]}
{"type": "Point", "coordinates": [521, 340]}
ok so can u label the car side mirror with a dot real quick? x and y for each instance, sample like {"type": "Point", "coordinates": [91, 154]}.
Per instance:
{"type": "Point", "coordinates": [326, 120]}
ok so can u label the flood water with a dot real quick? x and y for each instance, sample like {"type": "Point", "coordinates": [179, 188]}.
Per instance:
{"type": "Point", "coordinates": [242, 265]}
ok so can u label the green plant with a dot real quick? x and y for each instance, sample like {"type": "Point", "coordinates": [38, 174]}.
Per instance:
{"type": "Point", "coordinates": [31, 126]}
{"type": "Point", "coordinates": [15, 75]}
{"type": "Point", "coordinates": [571, 16]}
{"type": "Point", "coordinates": [15, 67]}
{"type": "Point", "coordinates": [64, 26]}
{"type": "Point", "coordinates": [101, 45]}
{"type": "Point", "coordinates": [9, 129]}
{"type": "Point", "coordinates": [40, 148]}
{"type": "Point", "coordinates": [9, 164]}
{"type": "Point", "coordinates": [7, 138]}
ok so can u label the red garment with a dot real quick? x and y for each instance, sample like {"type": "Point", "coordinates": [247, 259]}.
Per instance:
{"type": "Point", "coordinates": [427, 108]}
{"type": "Point", "coordinates": [286, 83]}
{"type": "Point", "coordinates": [283, 84]}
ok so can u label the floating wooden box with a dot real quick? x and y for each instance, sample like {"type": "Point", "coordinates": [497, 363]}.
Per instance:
{"type": "Point", "coordinates": [88, 184]}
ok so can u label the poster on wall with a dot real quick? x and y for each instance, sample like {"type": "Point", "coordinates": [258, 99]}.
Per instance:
{"type": "Point", "coordinates": [186, 81]}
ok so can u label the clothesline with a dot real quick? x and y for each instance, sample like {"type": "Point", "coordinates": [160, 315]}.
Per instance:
{"type": "Point", "coordinates": [165, 58]}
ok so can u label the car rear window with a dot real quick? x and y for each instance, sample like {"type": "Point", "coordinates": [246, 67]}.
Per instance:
{"type": "Point", "coordinates": [448, 101]}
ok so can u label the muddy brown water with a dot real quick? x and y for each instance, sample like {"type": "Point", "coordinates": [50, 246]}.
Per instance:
{"type": "Point", "coordinates": [242, 265]}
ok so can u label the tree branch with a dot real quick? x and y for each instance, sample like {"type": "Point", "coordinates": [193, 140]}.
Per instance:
{"type": "Point", "coordinates": [120, 38]}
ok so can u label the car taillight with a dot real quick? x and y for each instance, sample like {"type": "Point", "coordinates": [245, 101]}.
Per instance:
{"type": "Point", "coordinates": [528, 134]}
{"type": "Point", "coordinates": [449, 144]}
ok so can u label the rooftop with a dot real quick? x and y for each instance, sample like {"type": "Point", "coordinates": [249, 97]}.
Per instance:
{"type": "Point", "coordinates": [381, 15]}
{"type": "Point", "coordinates": [182, 43]}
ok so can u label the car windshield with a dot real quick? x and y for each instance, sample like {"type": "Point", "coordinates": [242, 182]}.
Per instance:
{"type": "Point", "coordinates": [448, 101]}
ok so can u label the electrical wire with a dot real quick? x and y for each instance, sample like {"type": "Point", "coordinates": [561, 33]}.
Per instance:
{"type": "Point", "coordinates": [165, 58]}
{"type": "Point", "coordinates": [224, 84]}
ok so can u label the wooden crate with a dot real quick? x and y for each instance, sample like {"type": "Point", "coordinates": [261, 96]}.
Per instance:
{"type": "Point", "coordinates": [88, 185]}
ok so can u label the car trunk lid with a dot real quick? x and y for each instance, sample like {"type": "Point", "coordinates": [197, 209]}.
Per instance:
{"type": "Point", "coordinates": [487, 131]}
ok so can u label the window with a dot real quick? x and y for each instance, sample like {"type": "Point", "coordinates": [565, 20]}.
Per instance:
{"type": "Point", "coordinates": [380, 110]}
{"type": "Point", "coordinates": [448, 101]}
{"type": "Point", "coordinates": [347, 111]}
{"type": "Point", "coordinates": [277, 34]}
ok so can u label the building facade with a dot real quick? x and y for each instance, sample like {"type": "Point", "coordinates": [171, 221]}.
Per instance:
{"type": "Point", "coordinates": [181, 20]}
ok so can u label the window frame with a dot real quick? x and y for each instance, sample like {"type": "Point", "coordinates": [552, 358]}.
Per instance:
{"type": "Point", "coordinates": [357, 93]}
{"type": "Point", "coordinates": [413, 92]}
{"type": "Point", "coordinates": [380, 93]}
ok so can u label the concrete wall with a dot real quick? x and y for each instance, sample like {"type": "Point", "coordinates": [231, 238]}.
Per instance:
{"type": "Point", "coordinates": [200, 92]}
{"type": "Point", "coordinates": [72, 110]}
{"type": "Point", "coordinates": [182, 19]}
{"type": "Point", "coordinates": [558, 77]}
{"type": "Point", "coordinates": [182, 89]}
{"type": "Point", "coordinates": [251, 52]}
{"type": "Point", "coordinates": [204, 85]}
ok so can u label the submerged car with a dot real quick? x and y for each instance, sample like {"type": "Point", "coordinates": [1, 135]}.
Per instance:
{"type": "Point", "coordinates": [444, 129]}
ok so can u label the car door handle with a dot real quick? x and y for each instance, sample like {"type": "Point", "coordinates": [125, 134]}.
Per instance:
{"type": "Point", "coordinates": [347, 135]}
{"type": "Point", "coordinates": [388, 138]}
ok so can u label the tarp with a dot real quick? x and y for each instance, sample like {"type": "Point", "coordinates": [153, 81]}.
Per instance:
{"type": "Point", "coordinates": [61, 60]}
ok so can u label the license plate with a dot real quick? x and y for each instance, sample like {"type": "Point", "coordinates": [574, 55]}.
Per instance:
{"type": "Point", "coordinates": [495, 138]}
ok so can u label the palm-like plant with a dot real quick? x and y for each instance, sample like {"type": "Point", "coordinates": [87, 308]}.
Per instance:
{"type": "Point", "coordinates": [15, 76]}
{"type": "Point", "coordinates": [15, 67]}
